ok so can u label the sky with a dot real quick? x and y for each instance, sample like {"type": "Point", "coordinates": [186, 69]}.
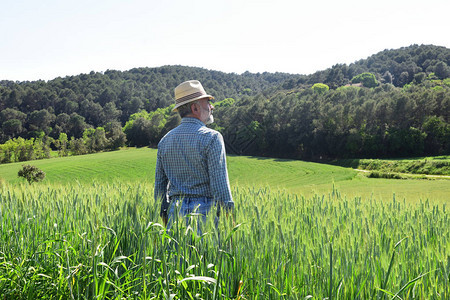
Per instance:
{"type": "Point", "coordinates": [45, 39]}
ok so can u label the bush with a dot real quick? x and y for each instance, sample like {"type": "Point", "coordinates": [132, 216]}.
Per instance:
{"type": "Point", "coordinates": [31, 173]}
{"type": "Point", "coordinates": [384, 175]}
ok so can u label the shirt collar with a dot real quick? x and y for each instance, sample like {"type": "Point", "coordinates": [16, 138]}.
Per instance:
{"type": "Point", "coordinates": [192, 121]}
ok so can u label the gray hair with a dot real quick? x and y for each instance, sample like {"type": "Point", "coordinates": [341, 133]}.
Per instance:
{"type": "Point", "coordinates": [185, 109]}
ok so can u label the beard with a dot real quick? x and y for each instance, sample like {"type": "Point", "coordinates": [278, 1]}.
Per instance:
{"type": "Point", "coordinates": [210, 120]}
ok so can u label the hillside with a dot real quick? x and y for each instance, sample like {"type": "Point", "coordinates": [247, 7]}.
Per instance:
{"type": "Point", "coordinates": [137, 167]}
{"type": "Point", "coordinates": [404, 111]}
{"type": "Point", "coordinates": [74, 103]}
{"type": "Point", "coordinates": [395, 66]}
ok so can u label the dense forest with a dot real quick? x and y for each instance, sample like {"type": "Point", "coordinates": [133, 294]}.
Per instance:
{"type": "Point", "coordinates": [395, 103]}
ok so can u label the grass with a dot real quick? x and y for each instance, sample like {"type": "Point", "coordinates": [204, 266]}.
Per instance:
{"type": "Point", "coordinates": [295, 177]}
{"type": "Point", "coordinates": [129, 165]}
{"type": "Point", "coordinates": [132, 164]}
{"type": "Point", "coordinates": [104, 241]}
{"type": "Point", "coordinates": [302, 231]}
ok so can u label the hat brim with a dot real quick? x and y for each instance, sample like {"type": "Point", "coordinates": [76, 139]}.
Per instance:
{"type": "Point", "coordinates": [191, 100]}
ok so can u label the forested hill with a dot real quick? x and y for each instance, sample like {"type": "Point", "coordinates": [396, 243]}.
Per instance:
{"type": "Point", "coordinates": [398, 104]}
{"type": "Point", "coordinates": [398, 67]}
{"type": "Point", "coordinates": [130, 91]}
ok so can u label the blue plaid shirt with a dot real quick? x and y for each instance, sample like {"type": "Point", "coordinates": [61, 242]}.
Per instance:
{"type": "Point", "coordinates": [191, 163]}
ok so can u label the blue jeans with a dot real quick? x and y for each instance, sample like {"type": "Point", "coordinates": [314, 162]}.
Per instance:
{"type": "Point", "coordinates": [199, 205]}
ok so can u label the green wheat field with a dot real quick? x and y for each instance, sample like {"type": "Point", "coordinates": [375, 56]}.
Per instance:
{"type": "Point", "coordinates": [91, 230]}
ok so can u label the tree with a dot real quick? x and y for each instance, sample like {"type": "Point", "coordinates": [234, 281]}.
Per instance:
{"type": "Point", "coordinates": [442, 70]}
{"type": "Point", "coordinates": [77, 125]}
{"type": "Point", "coordinates": [367, 79]}
{"type": "Point", "coordinates": [31, 173]}
{"type": "Point", "coordinates": [420, 77]}
{"type": "Point", "coordinates": [61, 125]}
{"type": "Point", "coordinates": [337, 76]}
{"type": "Point", "coordinates": [61, 144]}
{"type": "Point", "coordinates": [77, 146]}
{"type": "Point", "coordinates": [404, 142]}
{"type": "Point", "coordinates": [130, 107]}
{"type": "Point", "coordinates": [111, 113]}
{"type": "Point", "coordinates": [403, 79]}
{"type": "Point", "coordinates": [107, 96]}
{"type": "Point", "coordinates": [143, 128]}
{"type": "Point", "coordinates": [95, 139]}
{"type": "Point", "coordinates": [93, 112]}
{"type": "Point", "coordinates": [437, 135]}
{"type": "Point", "coordinates": [10, 113]}
{"type": "Point", "coordinates": [12, 128]}
{"type": "Point", "coordinates": [42, 145]}
{"type": "Point", "coordinates": [115, 135]}
{"type": "Point", "coordinates": [139, 133]}
{"type": "Point", "coordinates": [224, 103]}
{"type": "Point", "coordinates": [387, 77]}
{"type": "Point", "coordinates": [320, 88]}
{"type": "Point", "coordinates": [19, 149]}
{"type": "Point", "coordinates": [40, 120]}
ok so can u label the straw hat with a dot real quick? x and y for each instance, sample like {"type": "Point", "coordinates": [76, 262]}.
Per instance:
{"type": "Point", "coordinates": [189, 91]}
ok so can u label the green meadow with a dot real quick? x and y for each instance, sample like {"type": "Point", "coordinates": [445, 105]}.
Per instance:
{"type": "Point", "coordinates": [301, 230]}
{"type": "Point", "coordinates": [290, 176]}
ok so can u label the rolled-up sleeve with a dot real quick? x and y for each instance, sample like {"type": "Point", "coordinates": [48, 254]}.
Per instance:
{"type": "Point", "coordinates": [218, 174]}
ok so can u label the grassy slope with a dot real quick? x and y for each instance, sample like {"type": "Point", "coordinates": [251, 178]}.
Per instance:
{"type": "Point", "coordinates": [131, 164]}
{"type": "Point", "coordinates": [293, 176]}
{"type": "Point", "coordinates": [438, 165]}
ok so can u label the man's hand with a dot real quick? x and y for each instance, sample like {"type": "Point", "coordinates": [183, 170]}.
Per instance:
{"type": "Point", "coordinates": [165, 218]}
{"type": "Point", "coordinates": [164, 210]}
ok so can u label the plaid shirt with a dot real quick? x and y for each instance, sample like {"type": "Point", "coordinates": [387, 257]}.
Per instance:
{"type": "Point", "coordinates": [191, 163]}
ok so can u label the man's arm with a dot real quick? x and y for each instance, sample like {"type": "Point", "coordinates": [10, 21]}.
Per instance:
{"type": "Point", "coordinates": [218, 174]}
{"type": "Point", "coordinates": [160, 193]}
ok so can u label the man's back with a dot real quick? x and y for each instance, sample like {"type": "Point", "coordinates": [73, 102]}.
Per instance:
{"type": "Point", "coordinates": [191, 162]}
{"type": "Point", "coordinates": [183, 153]}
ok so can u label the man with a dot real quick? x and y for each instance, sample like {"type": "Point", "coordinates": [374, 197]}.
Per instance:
{"type": "Point", "coordinates": [191, 164]}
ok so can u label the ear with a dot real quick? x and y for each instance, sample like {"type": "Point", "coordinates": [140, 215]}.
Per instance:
{"type": "Point", "coordinates": [195, 109]}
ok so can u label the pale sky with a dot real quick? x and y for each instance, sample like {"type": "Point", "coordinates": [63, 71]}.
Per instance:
{"type": "Point", "coordinates": [46, 39]}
